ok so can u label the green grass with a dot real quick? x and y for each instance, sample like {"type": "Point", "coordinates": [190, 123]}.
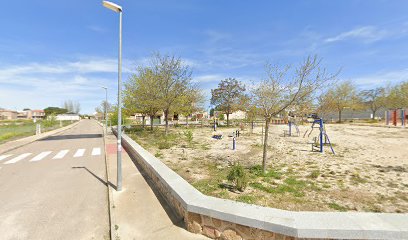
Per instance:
{"type": "Point", "coordinates": [337, 207]}
{"type": "Point", "coordinates": [290, 185]}
{"type": "Point", "coordinates": [11, 130]}
{"type": "Point", "coordinates": [246, 199]}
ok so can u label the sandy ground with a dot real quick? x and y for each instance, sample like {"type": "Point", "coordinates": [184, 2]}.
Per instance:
{"type": "Point", "coordinates": [369, 171]}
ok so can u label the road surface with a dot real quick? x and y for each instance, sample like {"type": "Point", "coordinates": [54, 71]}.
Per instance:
{"type": "Point", "coordinates": [55, 188]}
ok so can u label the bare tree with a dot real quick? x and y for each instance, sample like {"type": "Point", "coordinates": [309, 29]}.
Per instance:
{"type": "Point", "coordinates": [73, 107]}
{"type": "Point", "coordinates": [282, 90]}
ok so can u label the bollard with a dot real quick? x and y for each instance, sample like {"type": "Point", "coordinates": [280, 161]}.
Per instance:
{"type": "Point", "coordinates": [37, 129]}
{"type": "Point", "coordinates": [233, 143]}
{"type": "Point", "coordinates": [290, 129]}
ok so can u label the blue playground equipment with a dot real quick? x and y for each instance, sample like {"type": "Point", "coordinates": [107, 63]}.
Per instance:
{"type": "Point", "coordinates": [323, 139]}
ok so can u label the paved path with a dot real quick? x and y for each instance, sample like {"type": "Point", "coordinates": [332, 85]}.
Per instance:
{"type": "Point", "coordinates": [55, 188]}
{"type": "Point", "coordinates": [137, 212]}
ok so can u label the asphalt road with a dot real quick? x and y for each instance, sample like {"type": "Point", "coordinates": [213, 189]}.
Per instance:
{"type": "Point", "coordinates": [55, 188]}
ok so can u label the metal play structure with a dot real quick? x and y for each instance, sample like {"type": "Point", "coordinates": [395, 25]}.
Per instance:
{"type": "Point", "coordinates": [395, 116]}
{"type": "Point", "coordinates": [293, 130]}
{"type": "Point", "coordinates": [323, 139]}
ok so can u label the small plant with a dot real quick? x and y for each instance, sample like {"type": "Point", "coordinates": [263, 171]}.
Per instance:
{"type": "Point", "coordinates": [189, 136]}
{"type": "Point", "coordinates": [158, 154]}
{"type": "Point", "coordinates": [337, 207]}
{"type": "Point", "coordinates": [314, 174]}
{"type": "Point", "coordinates": [237, 176]}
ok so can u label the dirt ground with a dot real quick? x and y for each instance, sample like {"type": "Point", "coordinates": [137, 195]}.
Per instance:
{"type": "Point", "coordinates": [368, 172]}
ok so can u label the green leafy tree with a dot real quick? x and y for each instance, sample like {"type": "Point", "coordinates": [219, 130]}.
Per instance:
{"type": "Point", "coordinates": [228, 96]}
{"type": "Point", "coordinates": [142, 94]}
{"type": "Point", "coordinates": [174, 81]}
{"type": "Point", "coordinates": [397, 96]}
{"type": "Point", "coordinates": [54, 110]}
{"type": "Point", "coordinates": [341, 96]}
{"type": "Point", "coordinates": [191, 102]}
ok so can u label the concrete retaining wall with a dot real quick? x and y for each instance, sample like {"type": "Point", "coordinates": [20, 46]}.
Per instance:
{"type": "Point", "coordinates": [226, 219]}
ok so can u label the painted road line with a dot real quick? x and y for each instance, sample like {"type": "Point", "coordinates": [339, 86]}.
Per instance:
{"type": "Point", "coordinates": [60, 154]}
{"type": "Point", "coordinates": [40, 156]}
{"type": "Point", "coordinates": [18, 158]}
{"type": "Point", "coordinates": [96, 151]}
{"type": "Point", "coordinates": [79, 153]}
{"type": "Point", "coordinates": [2, 157]}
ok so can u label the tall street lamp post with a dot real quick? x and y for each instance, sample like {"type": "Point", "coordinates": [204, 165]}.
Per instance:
{"type": "Point", "coordinates": [118, 9]}
{"type": "Point", "coordinates": [106, 109]}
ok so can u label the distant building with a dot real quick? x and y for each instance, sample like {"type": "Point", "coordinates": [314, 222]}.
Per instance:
{"type": "Point", "coordinates": [68, 117]}
{"type": "Point", "coordinates": [31, 114]}
{"type": "Point", "coordinates": [36, 114]}
{"type": "Point", "coordinates": [8, 114]}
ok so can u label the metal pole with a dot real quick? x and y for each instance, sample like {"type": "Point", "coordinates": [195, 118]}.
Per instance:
{"type": "Point", "coordinates": [119, 152]}
{"type": "Point", "coordinates": [106, 110]}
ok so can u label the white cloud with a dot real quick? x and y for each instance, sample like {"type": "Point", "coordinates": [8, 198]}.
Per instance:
{"type": "Point", "coordinates": [96, 28]}
{"type": "Point", "coordinates": [382, 78]}
{"type": "Point", "coordinates": [365, 33]}
{"type": "Point", "coordinates": [38, 85]}
{"type": "Point", "coordinates": [208, 78]}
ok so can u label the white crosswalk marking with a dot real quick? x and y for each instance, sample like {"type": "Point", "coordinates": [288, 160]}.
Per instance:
{"type": "Point", "coordinates": [5, 156]}
{"type": "Point", "coordinates": [79, 153]}
{"type": "Point", "coordinates": [40, 156]}
{"type": "Point", "coordinates": [96, 151]}
{"type": "Point", "coordinates": [60, 154]}
{"type": "Point", "coordinates": [18, 158]}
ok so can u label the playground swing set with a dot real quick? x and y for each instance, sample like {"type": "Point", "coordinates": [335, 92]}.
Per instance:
{"type": "Point", "coordinates": [322, 140]}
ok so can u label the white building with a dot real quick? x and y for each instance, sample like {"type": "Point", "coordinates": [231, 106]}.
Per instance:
{"type": "Point", "coordinates": [237, 115]}
{"type": "Point", "coordinates": [68, 117]}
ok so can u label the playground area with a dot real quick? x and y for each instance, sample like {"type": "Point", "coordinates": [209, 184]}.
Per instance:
{"type": "Point", "coordinates": [368, 172]}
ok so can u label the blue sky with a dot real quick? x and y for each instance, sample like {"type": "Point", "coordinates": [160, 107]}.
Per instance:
{"type": "Point", "coordinates": [51, 51]}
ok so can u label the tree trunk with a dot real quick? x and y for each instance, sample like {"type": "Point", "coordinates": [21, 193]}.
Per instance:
{"type": "Point", "coordinates": [151, 122]}
{"type": "Point", "coordinates": [227, 119]}
{"type": "Point", "coordinates": [339, 116]}
{"type": "Point", "coordinates": [187, 121]}
{"type": "Point", "coordinates": [252, 126]}
{"type": "Point", "coordinates": [166, 119]}
{"type": "Point", "coordinates": [143, 121]}
{"type": "Point", "coordinates": [374, 111]}
{"type": "Point", "coordinates": [265, 146]}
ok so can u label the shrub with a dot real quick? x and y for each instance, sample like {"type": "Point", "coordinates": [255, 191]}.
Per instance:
{"type": "Point", "coordinates": [237, 176]}
{"type": "Point", "coordinates": [314, 174]}
{"type": "Point", "coordinates": [50, 121]}
{"type": "Point", "coordinates": [189, 136]}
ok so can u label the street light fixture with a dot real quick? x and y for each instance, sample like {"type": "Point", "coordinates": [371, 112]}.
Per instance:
{"type": "Point", "coordinates": [106, 109]}
{"type": "Point", "coordinates": [118, 9]}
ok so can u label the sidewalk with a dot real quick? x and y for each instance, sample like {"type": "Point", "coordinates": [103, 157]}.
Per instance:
{"type": "Point", "coordinates": [138, 212]}
{"type": "Point", "coordinates": [8, 146]}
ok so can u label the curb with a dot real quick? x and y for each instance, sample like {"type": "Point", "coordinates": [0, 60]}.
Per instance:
{"type": "Point", "coordinates": [110, 194]}
{"type": "Point", "coordinates": [46, 134]}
